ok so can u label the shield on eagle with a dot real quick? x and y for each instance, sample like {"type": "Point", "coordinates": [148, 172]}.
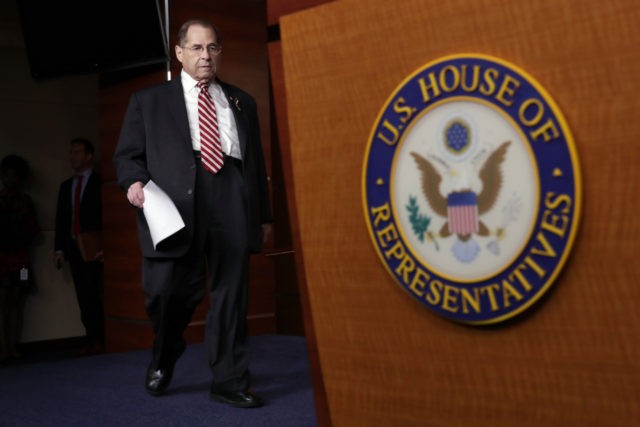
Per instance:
{"type": "Point", "coordinates": [462, 212]}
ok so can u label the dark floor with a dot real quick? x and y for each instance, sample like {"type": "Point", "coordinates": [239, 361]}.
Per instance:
{"type": "Point", "coordinates": [53, 388]}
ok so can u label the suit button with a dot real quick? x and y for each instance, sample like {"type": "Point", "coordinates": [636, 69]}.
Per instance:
{"type": "Point", "coordinates": [189, 191]}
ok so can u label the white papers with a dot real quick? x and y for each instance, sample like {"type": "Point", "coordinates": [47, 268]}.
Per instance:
{"type": "Point", "coordinates": [161, 214]}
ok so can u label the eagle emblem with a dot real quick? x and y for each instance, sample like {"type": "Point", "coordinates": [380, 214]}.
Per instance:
{"type": "Point", "coordinates": [471, 188]}
{"type": "Point", "coordinates": [463, 207]}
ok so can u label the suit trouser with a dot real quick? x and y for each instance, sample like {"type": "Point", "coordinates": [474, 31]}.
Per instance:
{"type": "Point", "coordinates": [89, 287]}
{"type": "Point", "coordinates": [174, 287]}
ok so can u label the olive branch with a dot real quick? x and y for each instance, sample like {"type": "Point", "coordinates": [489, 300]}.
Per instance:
{"type": "Point", "coordinates": [419, 222]}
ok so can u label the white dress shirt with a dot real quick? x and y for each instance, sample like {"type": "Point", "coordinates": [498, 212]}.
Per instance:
{"type": "Point", "coordinates": [226, 121]}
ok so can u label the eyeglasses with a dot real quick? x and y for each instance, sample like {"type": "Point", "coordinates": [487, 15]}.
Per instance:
{"type": "Point", "coordinates": [213, 49]}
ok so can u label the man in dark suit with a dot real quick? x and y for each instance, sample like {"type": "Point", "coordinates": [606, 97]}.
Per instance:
{"type": "Point", "coordinates": [77, 239]}
{"type": "Point", "coordinates": [225, 208]}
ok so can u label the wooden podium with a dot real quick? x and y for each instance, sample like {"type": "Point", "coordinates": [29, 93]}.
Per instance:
{"type": "Point", "coordinates": [572, 359]}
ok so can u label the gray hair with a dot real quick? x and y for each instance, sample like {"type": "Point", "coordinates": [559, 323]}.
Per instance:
{"type": "Point", "coordinates": [182, 33]}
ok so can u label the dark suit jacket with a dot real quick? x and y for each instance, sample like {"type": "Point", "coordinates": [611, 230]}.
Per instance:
{"type": "Point", "coordinates": [90, 211]}
{"type": "Point", "coordinates": [155, 144]}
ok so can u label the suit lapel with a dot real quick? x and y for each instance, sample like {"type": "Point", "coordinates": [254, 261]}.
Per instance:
{"type": "Point", "coordinates": [241, 120]}
{"type": "Point", "coordinates": [66, 191]}
{"type": "Point", "coordinates": [178, 109]}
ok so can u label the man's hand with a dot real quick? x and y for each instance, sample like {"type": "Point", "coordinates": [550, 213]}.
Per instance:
{"type": "Point", "coordinates": [135, 195]}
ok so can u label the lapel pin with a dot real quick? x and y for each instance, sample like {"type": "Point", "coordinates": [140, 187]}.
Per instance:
{"type": "Point", "coordinates": [236, 102]}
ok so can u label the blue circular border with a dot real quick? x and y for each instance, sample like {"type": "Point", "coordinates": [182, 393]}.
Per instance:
{"type": "Point", "coordinates": [558, 154]}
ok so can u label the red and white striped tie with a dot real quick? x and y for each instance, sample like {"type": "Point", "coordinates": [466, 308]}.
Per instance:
{"type": "Point", "coordinates": [210, 147]}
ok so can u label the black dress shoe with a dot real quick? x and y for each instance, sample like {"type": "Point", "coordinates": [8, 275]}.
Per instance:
{"type": "Point", "coordinates": [239, 399]}
{"type": "Point", "coordinates": [158, 380]}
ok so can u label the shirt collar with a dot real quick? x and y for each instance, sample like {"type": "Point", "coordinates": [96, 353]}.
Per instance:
{"type": "Point", "coordinates": [85, 174]}
{"type": "Point", "coordinates": [189, 83]}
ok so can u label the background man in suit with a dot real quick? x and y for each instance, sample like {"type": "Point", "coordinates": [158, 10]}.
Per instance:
{"type": "Point", "coordinates": [226, 211]}
{"type": "Point", "coordinates": [77, 239]}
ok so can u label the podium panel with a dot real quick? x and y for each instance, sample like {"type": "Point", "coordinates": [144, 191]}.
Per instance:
{"type": "Point", "coordinates": [573, 358]}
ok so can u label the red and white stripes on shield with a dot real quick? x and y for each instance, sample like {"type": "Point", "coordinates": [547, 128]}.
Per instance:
{"type": "Point", "coordinates": [462, 209]}
{"type": "Point", "coordinates": [210, 146]}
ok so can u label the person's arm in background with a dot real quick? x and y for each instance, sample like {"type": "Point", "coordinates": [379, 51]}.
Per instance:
{"type": "Point", "coordinates": [58, 245]}
{"type": "Point", "coordinates": [129, 157]}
